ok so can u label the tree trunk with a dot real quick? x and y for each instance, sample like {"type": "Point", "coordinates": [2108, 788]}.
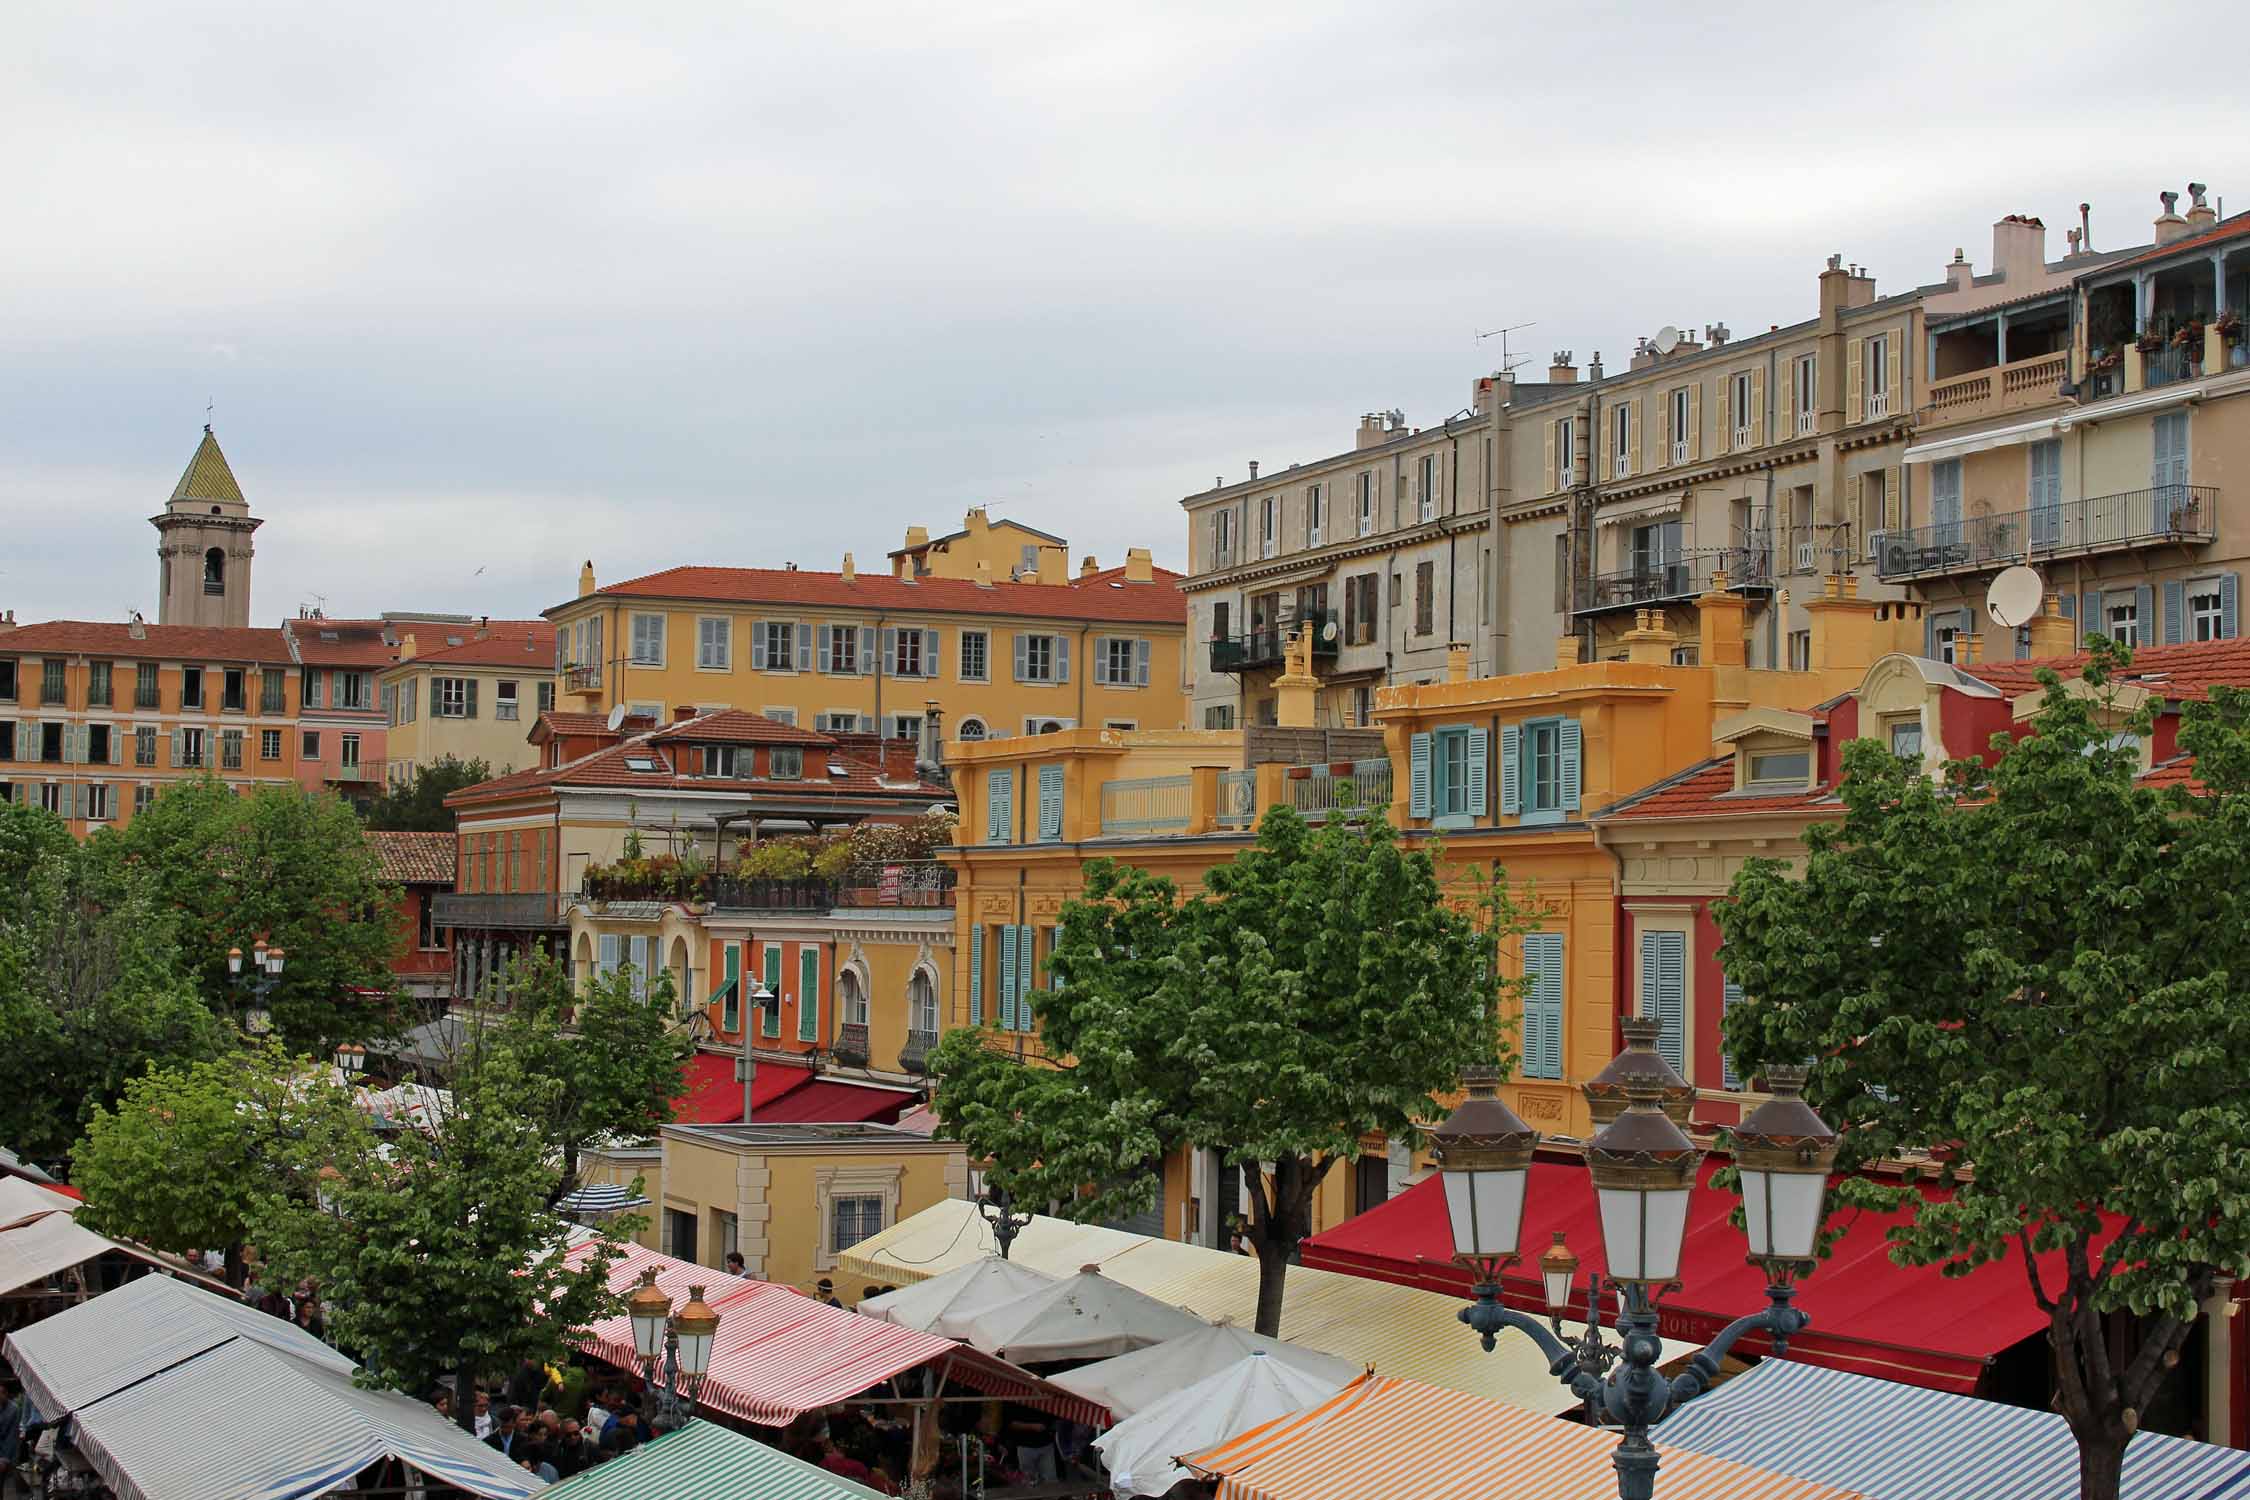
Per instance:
{"type": "Point", "coordinates": [236, 1270]}
{"type": "Point", "coordinates": [1273, 1271]}
{"type": "Point", "coordinates": [2101, 1464]}
{"type": "Point", "coordinates": [465, 1394]}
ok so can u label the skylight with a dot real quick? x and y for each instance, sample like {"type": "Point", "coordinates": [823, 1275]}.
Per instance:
{"type": "Point", "coordinates": [640, 762]}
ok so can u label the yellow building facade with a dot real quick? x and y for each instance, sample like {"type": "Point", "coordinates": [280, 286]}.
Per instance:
{"type": "Point", "coordinates": [471, 692]}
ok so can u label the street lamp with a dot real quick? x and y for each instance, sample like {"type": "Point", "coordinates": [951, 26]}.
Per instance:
{"type": "Point", "coordinates": [1643, 1168]}
{"type": "Point", "coordinates": [995, 1203]}
{"type": "Point", "coordinates": [351, 1060]}
{"type": "Point", "coordinates": [674, 1348]}
{"type": "Point", "coordinates": [265, 972]}
{"type": "Point", "coordinates": [762, 1002]}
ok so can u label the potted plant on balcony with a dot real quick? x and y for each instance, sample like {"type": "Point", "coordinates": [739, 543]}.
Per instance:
{"type": "Point", "coordinates": [2150, 342]}
{"type": "Point", "coordinates": [2229, 324]}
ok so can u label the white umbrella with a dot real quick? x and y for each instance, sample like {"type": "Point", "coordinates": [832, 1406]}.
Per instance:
{"type": "Point", "coordinates": [1087, 1316]}
{"type": "Point", "coordinates": [1131, 1382]}
{"type": "Point", "coordinates": [947, 1305]}
{"type": "Point", "coordinates": [1255, 1389]}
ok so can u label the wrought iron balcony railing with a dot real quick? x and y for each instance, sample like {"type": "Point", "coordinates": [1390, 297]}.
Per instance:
{"type": "Point", "coordinates": [2164, 514]}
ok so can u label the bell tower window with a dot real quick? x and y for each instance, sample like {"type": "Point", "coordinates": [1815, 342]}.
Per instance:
{"type": "Point", "coordinates": [215, 571]}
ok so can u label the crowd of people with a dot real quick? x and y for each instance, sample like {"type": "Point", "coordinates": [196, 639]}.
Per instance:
{"type": "Point", "coordinates": [537, 1426]}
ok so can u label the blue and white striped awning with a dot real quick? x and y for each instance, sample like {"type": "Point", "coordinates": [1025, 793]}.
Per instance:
{"type": "Point", "coordinates": [1904, 1442]}
{"type": "Point", "coordinates": [599, 1198]}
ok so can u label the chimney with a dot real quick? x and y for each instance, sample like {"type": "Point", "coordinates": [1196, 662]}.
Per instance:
{"type": "Point", "coordinates": [1087, 567]}
{"type": "Point", "coordinates": [2200, 215]}
{"type": "Point", "coordinates": [1139, 566]}
{"type": "Point", "coordinates": [1722, 640]}
{"type": "Point", "coordinates": [975, 520]}
{"type": "Point", "coordinates": [484, 627]}
{"type": "Point", "coordinates": [137, 627]}
{"type": "Point", "coordinates": [406, 647]}
{"type": "Point", "coordinates": [1560, 370]}
{"type": "Point", "coordinates": [1716, 334]}
{"type": "Point", "coordinates": [1649, 643]}
{"type": "Point", "coordinates": [682, 712]}
{"type": "Point", "coordinates": [2053, 633]}
{"type": "Point", "coordinates": [984, 573]}
{"type": "Point", "coordinates": [1457, 662]}
{"type": "Point", "coordinates": [586, 578]}
{"type": "Point", "coordinates": [1594, 366]}
{"type": "Point", "coordinates": [1371, 433]}
{"type": "Point", "coordinates": [2019, 249]}
{"type": "Point", "coordinates": [849, 572]}
{"type": "Point", "coordinates": [2086, 228]}
{"type": "Point", "coordinates": [1566, 651]}
{"type": "Point", "coordinates": [1054, 563]}
{"type": "Point", "coordinates": [1958, 272]}
{"type": "Point", "coordinates": [916, 536]}
{"type": "Point", "coordinates": [2169, 225]}
{"type": "Point", "coordinates": [1253, 469]}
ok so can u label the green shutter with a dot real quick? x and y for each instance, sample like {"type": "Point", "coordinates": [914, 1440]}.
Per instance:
{"type": "Point", "coordinates": [769, 1015]}
{"type": "Point", "coordinates": [1543, 1005]}
{"type": "Point", "coordinates": [1511, 769]}
{"type": "Point", "coordinates": [730, 1014]}
{"type": "Point", "coordinates": [1026, 980]}
{"type": "Point", "coordinates": [808, 993]}
{"type": "Point", "coordinates": [1008, 977]}
{"type": "Point", "coordinates": [1664, 993]}
{"type": "Point", "coordinates": [1572, 748]}
{"type": "Point", "coordinates": [976, 974]}
{"type": "Point", "coordinates": [1418, 783]}
{"type": "Point", "coordinates": [1729, 998]}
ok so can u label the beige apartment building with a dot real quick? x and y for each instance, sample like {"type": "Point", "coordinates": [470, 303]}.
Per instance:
{"type": "Point", "coordinates": [471, 691]}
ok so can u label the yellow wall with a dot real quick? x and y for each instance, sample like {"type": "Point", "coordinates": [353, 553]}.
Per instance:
{"type": "Point", "coordinates": [598, 1168]}
{"type": "Point", "coordinates": [427, 738]}
{"type": "Point", "coordinates": [999, 545]}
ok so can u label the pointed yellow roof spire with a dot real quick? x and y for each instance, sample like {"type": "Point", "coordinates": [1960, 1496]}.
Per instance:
{"type": "Point", "coordinates": [207, 476]}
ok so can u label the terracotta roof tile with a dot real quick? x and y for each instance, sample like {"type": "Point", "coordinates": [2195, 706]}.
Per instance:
{"type": "Point", "coordinates": [414, 858]}
{"type": "Point", "coordinates": [739, 726]}
{"type": "Point", "coordinates": [1103, 600]}
{"type": "Point", "coordinates": [2180, 673]}
{"type": "Point", "coordinates": [614, 766]}
{"type": "Point", "coordinates": [563, 721]}
{"type": "Point", "coordinates": [191, 643]}
{"type": "Point", "coordinates": [2231, 227]}
{"type": "Point", "coordinates": [2178, 771]}
{"type": "Point", "coordinates": [340, 643]}
{"type": "Point", "coordinates": [1707, 791]}
{"type": "Point", "coordinates": [529, 644]}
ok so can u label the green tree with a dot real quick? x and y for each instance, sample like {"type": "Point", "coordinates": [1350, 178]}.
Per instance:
{"type": "Point", "coordinates": [419, 806]}
{"type": "Point", "coordinates": [2033, 970]}
{"type": "Point", "coordinates": [282, 864]}
{"type": "Point", "coordinates": [1319, 988]}
{"type": "Point", "coordinates": [434, 1248]}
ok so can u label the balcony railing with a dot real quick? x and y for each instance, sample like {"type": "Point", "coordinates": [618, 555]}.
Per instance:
{"type": "Point", "coordinates": [508, 909]}
{"type": "Point", "coordinates": [1682, 577]}
{"type": "Point", "coordinates": [1267, 647]}
{"type": "Point", "coordinates": [1238, 799]}
{"type": "Point", "coordinates": [2002, 388]}
{"type": "Point", "coordinates": [2173, 363]}
{"type": "Point", "coordinates": [1150, 804]}
{"type": "Point", "coordinates": [587, 679]}
{"type": "Point", "coordinates": [2172, 513]}
{"type": "Point", "coordinates": [916, 1053]}
{"type": "Point", "coordinates": [1364, 787]}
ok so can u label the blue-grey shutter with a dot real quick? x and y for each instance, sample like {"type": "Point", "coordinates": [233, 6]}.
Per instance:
{"type": "Point", "coordinates": [2144, 614]}
{"type": "Point", "coordinates": [472, 699]}
{"type": "Point", "coordinates": [890, 648]}
{"type": "Point", "coordinates": [1664, 993]}
{"type": "Point", "coordinates": [1480, 752]}
{"type": "Point", "coordinates": [608, 960]}
{"type": "Point", "coordinates": [2089, 616]}
{"type": "Point", "coordinates": [1062, 658]}
{"type": "Point", "coordinates": [1511, 768]}
{"type": "Point", "coordinates": [976, 974]}
{"type": "Point", "coordinates": [2229, 583]}
{"type": "Point", "coordinates": [1573, 745]}
{"type": "Point", "coordinates": [2175, 612]}
{"type": "Point", "coordinates": [758, 645]}
{"type": "Point", "coordinates": [803, 637]}
{"type": "Point", "coordinates": [824, 642]}
{"type": "Point", "coordinates": [1050, 801]}
{"type": "Point", "coordinates": [1729, 997]}
{"type": "Point", "coordinates": [1929, 636]}
{"type": "Point", "coordinates": [1054, 941]}
{"type": "Point", "coordinates": [1022, 649]}
{"type": "Point", "coordinates": [1008, 977]}
{"type": "Point", "coordinates": [1543, 1005]}
{"type": "Point", "coordinates": [1140, 663]}
{"type": "Point", "coordinates": [932, 641]}
{"type": "Point", "coordinates": [1026, 981]}
{"type": "Point", "coordinates": [866, 649]}
{"type": "Point", "coordinates": [1418, 778]}
{"type": "Point", "coordinates": [999, 805]}
{"type": "Point", "coordinates": [313, 698]}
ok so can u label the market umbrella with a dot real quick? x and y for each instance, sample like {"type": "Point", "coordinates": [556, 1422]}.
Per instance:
{"type": "Point", "coordinates": [1255, 1389]}
{"type": "Point", "coordinates": [1087, 1316]}
{"type": "Point", "coordinates": [599, 1198]}
{"type": "Point", "coordinates": [1132, 1382]}
{"type": "Point", "coordinates": [947, 1305]}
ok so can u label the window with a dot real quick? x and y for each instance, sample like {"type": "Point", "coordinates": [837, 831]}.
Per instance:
{"type": "Point", "coordinates": [774, 646]}
{"type": "Point", "coordinates": [1315, 500]}
{"type": "Point", "coordinates": [1566, 466]}
{"type": "Point", "coordinates": [144, 746]}
{"type": "Point", "coordinates": [98, 744]}
{"type": "Point", "coordinates": [504, 702]}
{"type": "Point", "coordinates": [1425, 598]}
{"type": "Point", "coordinates": [1682, 408]}
{"type": "Point", "coordinates": [1366, 503]}
{"type": "Point", "coordinates": [1121, 662]}
{"type": "Point", "coordinates": [1000, 807]}
{"type": "Point", "coordinates": [2206, 611]}
{"type": "Point", "coordinates": [1772, 768]}
{"type": "Point", "coordinates": [97, 802]}
{"type": "Point", "coordinates": [778, 715]}
{"type": "Point", "coordinates": [352, 689]}
{"type": "Point", "coordinates": [51, 797]}
{"type": "Point", "coordinates": [851, 998]}
{"type": "Point", "coordinates": [451, 695]}
{"type": "Point", "coordinates": [271, 691]}
{"type": "Point", "coordinates": [7, 739]}
{"type": "Point", "coordinates": [234, 690]}
{"type": "Point", "coordinates": [1621, 441]}
{"type": "Point", "coordinates": [97, 685]}
{"type": "Point", "coordinates": [714, 643]}
{"type": "Point", "coordinates": [907, 727]}
{"type": "Point", "coordinates": [546, 699]}
{"type": "Point", "coordinates": [1543, 1005]}
{"type": "Point", "coordinates": [921, 1004]}
{"type": "Point", "coordinates": [1042, 658]}
{"type": "Point", "coordinates": [1269, 526]}
{"type": "Point", "coordinates": [1945, 636]}
{"type": "Point", "coordinates": [309, 747]}
{"type": "Point", "coordinates": [7, 679]}
{"type": "Point", "coordinates": [143, 795]}
{"type": "Point", "coordinates": [1427, 489]}
{"type": "Point", "coordinates": [308, 688]}
{"type": "Point", "coordinates": [1219, 716]}
{"type": "Point", "coordinates": [648, 641]}
{"type": "Point", "coordinates": [975, 656]}
{"type": "Point", "coordinates": [906, 653]}
{"type": "Point", "coordinates": [269, 746]}
{"type": "Point", "coordinates": [1873, 517]}
{"type": "Point", "coordinates": [1657, 550]}
{"type": "Point", "coordinates": [191, 687]}
{"type": "Point", "coordinates": [1800, 651]}
{"type": "Point", "coordinates": [838, 651]}
{"type": "Point", "coordinates": [1807, 395]}
{"type": "Point", "coordinates": [2121, 619]}
{"type": "Point", "coordinates": [787, 761]}
{"type": "Point", "coordinates": [1539, 769]}
{"type": "Point", "coordinates": [1663, 993]}
{"type": "Point", "coordinates": [230, 749]}
{"type": "Point", "coordinates": [144, 685]}
{"type": "Point", "coordinates": [1877, 377]}
{"type": "Point", "coordinates": [347, 753]}
{"type": "Point", "coordinates": [808, 993]}
{"type": "Point", "coordinates": [215, 571]}
{"type": "Point", "coordinates": [1359, 609]}
{"type": "Point", "coordinates": [730, 1007]}
{"type": "Point", "coordinates": [852, 1219]}
{"type": "Point", "coordinates": [970, 729]}
{"type": "Point", "coordinates": [52, 740]}
{"type": "Point", "coordinates": [719, 760]}
{"type": "Point", "coordinates": [51, 686]}
{"type": "Point", "coordinates": [1457, 785]}
{"type": "Point", "coordinates": [1222, 538]}
{"type": "Point", "coordinates": [1739, 402]}
{"type": "Point", "coordinates": [1906, 739]}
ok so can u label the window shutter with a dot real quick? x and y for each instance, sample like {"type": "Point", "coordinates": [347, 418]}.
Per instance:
{"type": "Point", "coordinates": [2089, 616]}
{"type": "Point", "coordinates": [1569, 769]}
{"type": "Point", "coordinates": [1757, 417]}
{"type": "Point", "coordinates": [2228, 584]}
{"type": "Point", "coordinates": [2144, 612]}
{"type": "Point", "coordinates": [1027, 977]}
{"type": "Point", "coordinates": [1725, 393]}
{"type": "Point", "coordinates": [1062, 658]}
{"type": "Point", "coordinates": [1542, 1005]}
{"type": "Point", "coordinates": [472, 685]}
{"type": "Point", "coordinates": [1418, 778]}
{"type": "Point", "coordinates": [1511, 768]}
{"type": "Point", "coordinates": [890, 648]}
{"type": "Point", "coordinates": [866, 650]}
{"type": "Point", "coordinates": [808, 993]}
{"type": "Point", "coordinates": [1480, 751]}
{"type": "Point", "coordinates": [637, 955]}
{"type": "Point", "coordinates": [1855, 361]}
{"type": "Point", "coordinates": [1664, 993]}
{"type": "Point", "coordinates": [2069, 606]}
{"type": "Point", "coordinates": [1021, 647]}
{"type": "Point", "coordinates": [1929, 637]}
{"type": "Point", "coordinates": [1636, 432]}
{"type": "Point", "coordinates": [176, 747]}
{"type": "Point", "coordinates": [1008, 977]}
{"type": "Point", "coordinates": [1729, 998]}
{"type": "Point", "coordinates": [2175, 613]}
{"type": "Point", "coordinates": [433, 698]}
{"type": "Point", "coordinates": [803, 634]}
{"type": "Point", "coordinates": [1895, 382]}
{"type": "Point", "coordinates": [769, 1019]}
{"type": "Point", "coordinates": [932, 642]}
{"type": "Point", "coordinates": [758, 645]}
{"type": "Point", "coordinates": [1548, 465]}
{"type": "Point", "coordinates": [607, 963]}
{"type": "Point", "coordinates": [1785, 419]}
{"type": "Point", "coordinates": [1695, 421]}
{"type": "Point", "coordinates": [1141, 652]}
{"type": "Point", "coordinates": [976, 974]}
{"type": "Point", "coordinates": [826, 647]}
{"type": "Point", "coordinates": [1551, 978]}
{"type": "Point", "coordinates": [999, 809]}
{"type": "Point", "coordinates": [1050, 801]}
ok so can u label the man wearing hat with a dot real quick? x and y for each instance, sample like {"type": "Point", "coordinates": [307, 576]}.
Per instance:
{"type": "Point", "coordinates": [827, 1292]}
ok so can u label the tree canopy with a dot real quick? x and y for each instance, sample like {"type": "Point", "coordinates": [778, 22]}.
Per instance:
{"type": "Point", "coordinates": [1320, 987]}
{"type": "Point", "coordinates": [419, 806]}
{"type": "Point", "coordinates": [2033, 971]}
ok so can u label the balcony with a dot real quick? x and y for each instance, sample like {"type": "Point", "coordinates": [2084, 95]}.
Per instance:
{"type": "Point", "coordinates": [915, 1055]}
{"type": "Point", "coordinates": [1148, 804]}
{"type": "Point", "coordinates": [851, 1044]}
{"type": "Point", "coordinates": [1259, 649]}
{"type": "Point", "coordinates": [1358, 787]}
{"type": "Point", "coordinates": [918, 885]}
{"type": "Point", "coordinates": [586, 679]}
{"type": "Point", "coordinates": [358, 773]}
{"type": "Point", "coordinates": [518, 910]}
{"type": "Point", "coordinates": [2016, 386]}
{"type": "Point", "coordinates": [1677, 579]}
{"type": "Point", "coordinates": [2175, 513]}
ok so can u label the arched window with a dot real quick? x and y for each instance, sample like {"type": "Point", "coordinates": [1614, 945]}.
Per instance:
{"type": "Point", "coordinates": [215, 571]}
{"type": "Point", "coordinates": [851, 998]}
{"type": "Point", "coordinates": [921, 1004]}
{"type": "Point", "coordinates": [969, 729]}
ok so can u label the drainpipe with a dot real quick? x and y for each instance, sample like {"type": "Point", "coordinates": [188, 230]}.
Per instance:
{"type": "Point", "coordinates": [879, 617]}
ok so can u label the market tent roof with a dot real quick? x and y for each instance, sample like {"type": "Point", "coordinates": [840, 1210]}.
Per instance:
{"type": "Point", "coordinates": [947, 1304]}
{"type": "Point", "coordinates": [827, 1101]}
{"type": "Point", "coordinates": [704, 1462]}
{"type": "Point", "coordinates": [710, 1094]}
{"type": "Point", "coordinates": [1087, 1316]}
{"type": "Point", "coordinates": [779, 1354]}
{"type": "Point", "coordinates": [85, 1353]}
{"type": "Point", "coordinates": [1901, 1442]}
{"type": "Point", "coordinates": [1131, 1383]}
{"type": "Point", "coordinates": [1253, 1390]}
{"type": "Point", "coordinates": [20, 1199]}
{"type": "Point", "coordinates": [1396, 1328]}
{"type": "Point", "coordinates": [1869, 1315]}
{"type": "Point", "coordinates": [35, 1248]}
{"type": "Point", "coordinates": [1377, 1435]}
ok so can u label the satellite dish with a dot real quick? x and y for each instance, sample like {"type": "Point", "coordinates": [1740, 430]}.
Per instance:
{"type": "Point", "coordinates": [1328, 632]}
{"type": "Point", "coordinates": [2014, 596]}
{"type": "Point", "coordinates": [616, 717]}
{"type": "Point", "coordinates": [1667, 339]}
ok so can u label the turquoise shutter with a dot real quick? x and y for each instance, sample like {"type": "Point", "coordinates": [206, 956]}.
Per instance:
{"type": "Point", "coordinates": [932, 641]}
{"type": "Point", "coordinates": [1664, 993]}
{"type": "Point", "coordinates": [2228, 583]}
{"type": "Point", "coordinates": [1480, 751]}
{"type": "Point", "coordinates": [1729, 998]}
{"type": "Point", "coordinates": [2144, 614]}
{"type": "Point", "coordinates": [769, 1015]}
{"type": "Point", "coordinates": [2089, 615]}
{"type": "Point", "coordinates": [1008, 977]}
{"type": "Point", "coordinates": [1542, 1005]}
{"type": "Point", "coordinates": [999, 805]}
{"type": "Point", "coordinates": [1026, 976]}
{"type": "Point", "coordinates": [808, 994]}
{"type": "Point", "coordinates": [2175, 613]}
{"type": "Point", "coordinates": [976, 975]}
{"type": "Point", "coordinates": [1418, 778]}
{"type": "Point", "coordinates": [1050, 802]}
{"type": "Point", "coordinates": [1572, 748]}
{"type": "Point", "coordinates": [730, 1014]}
{"type": "Point", "coordinates": [1511, 768]}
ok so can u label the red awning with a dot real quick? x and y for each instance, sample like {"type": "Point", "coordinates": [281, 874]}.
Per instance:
{"type": "Point", "coordinates": [1869, 1315]}
{"type": "Point", "coordinates": [712, 1096]}
{"type": "Point", "coordinates": [829, 1102]}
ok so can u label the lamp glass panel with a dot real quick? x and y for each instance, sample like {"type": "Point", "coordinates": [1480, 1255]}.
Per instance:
{"type": "Point", "coordinates": [695, 1354]}
{"type": "Point", "coordinates": [1486, 1209]}
{"type": "Point", "coordinates": [1796, 1198]}
{"type": "Point", "coordinates": [648, 1335]}
{"type": "Point", "coordinates": [1558, 1288]}
{"type": "Point", "coordinates": [1667, 1213]}
{"type": "Point", "coordinates": [1757, 1212]}
{"type": "Point", "coordinates": [1621, 1231]}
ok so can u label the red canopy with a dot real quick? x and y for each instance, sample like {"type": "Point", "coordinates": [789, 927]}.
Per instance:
{"type": "Point", "coordinates": [711, 1095]}
{"type": "Point", "coordinates": [830, 1102]}
{"type": "Point", "coordinates": [1869, 1315]}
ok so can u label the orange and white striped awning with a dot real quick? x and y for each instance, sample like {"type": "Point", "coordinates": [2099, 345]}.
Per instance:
{"type": "Point", "coordinates": [1380, 1437]}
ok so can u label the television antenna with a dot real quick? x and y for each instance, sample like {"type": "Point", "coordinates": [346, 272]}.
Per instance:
{"type": "Point", "coordinates": [2014, 597]}
{"type": "Point", "coordinates": [1508, 359]}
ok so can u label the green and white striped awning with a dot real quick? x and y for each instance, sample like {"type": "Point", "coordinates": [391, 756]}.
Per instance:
{"type": "Point", "coordinates": [706, 1462]}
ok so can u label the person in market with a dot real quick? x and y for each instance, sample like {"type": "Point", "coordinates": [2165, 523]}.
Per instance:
{"type": "Point", "coordinates": [1032, 1439]}
{"type": "Point", "coordinates": [482, 1413]}
{"type": "Point", "coordinates": [827, 1292]}
{"type": "Point", "coordinates": [526, 1384]}
{"type": "Point", "coordinates": [735, 1263]}
{"type": "Point", "coordinates": [625, 1432]}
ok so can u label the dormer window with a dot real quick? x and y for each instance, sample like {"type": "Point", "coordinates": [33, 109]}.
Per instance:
{"type": "Point", "coordinates": [718, 760]}
{"type": "Point", "coordinates": [786, 762]}
{"type": "Point", "coordinates": [1772, 770]}
{"type": "Point", "coordinates": [1906, 739]}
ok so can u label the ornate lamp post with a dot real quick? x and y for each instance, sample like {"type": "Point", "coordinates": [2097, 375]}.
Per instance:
{"type": "Point", "coordinates": [265, 973]}
{"type": "Point", "coordinates": [673, 1348]}
{"type": "Point", "coordinates": [1643, 1167]}
{"type": "Point", "coordinates": [351, 1061]}
{"type": "Point", "coordinates": [997, 1205]}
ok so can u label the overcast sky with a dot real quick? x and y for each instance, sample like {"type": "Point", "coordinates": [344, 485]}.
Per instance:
{"type": "Point", "coordinates": [481, 290]}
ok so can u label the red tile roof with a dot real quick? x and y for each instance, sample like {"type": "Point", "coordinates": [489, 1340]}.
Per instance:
{"type": "Point", "coordinates": [2179, 673]}
{"type": "Point", "coordinates": [414, 858]}
{"type": "Point", "coordinates": [357, 643]}
{"type": "Point", "coordinates": [739, 726]}
{"type": "Point", "coordinates": [529, 644]}
{"type": "Point", "coordinates": [1103, 599]}
{"type": "Point", "coordinates": [1707, 791]}
{"type": "Point", "coordinates": [2178, 771]}
{"type": "Point", "coordinates": [2232, 227]}
{"type": "Point", "coordinates": [191, 643]}
{"type": "Point", "coordinates": [563, 721]}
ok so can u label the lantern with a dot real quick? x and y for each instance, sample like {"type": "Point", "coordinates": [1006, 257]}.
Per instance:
{"type": "Point", "coordinates": [1643, 1168]}
{"type": "Point", "coordinates": [697, 1325]}
{"type": "Point", "coordinates": [1485, 1153]}
{"type": "Point", "coordinates": [1784, 1151]}
{"type": "Point", "coordinates": [1558, 1268]}
{"type": "Point", "coordinates": [649, 1308]}
{"type": "Point", "coordinates": [1640, 1062]}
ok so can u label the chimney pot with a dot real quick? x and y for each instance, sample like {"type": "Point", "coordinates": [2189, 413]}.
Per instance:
{"type": "Point", "coordinates": [849, 572]}
{"type": "Point", "coordinates": [1253, 468]}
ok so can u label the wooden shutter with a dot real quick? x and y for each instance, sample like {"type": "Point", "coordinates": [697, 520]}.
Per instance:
{"type": "Point", "coordinates": [2228, 585]}
{"type": "Point", "coordinates": [1480, 750]}
{"type": "Point", "coordinates": [1062, 658]}
{"type": "Point", "coordinates": [1695, 421]}
{"type": "Point", "coordinates": [1664, 993]}
{"type": "Point", "coordinates": [1636, 431]}
{"type": "Point", "coordinates": [1894, 498]}
{"type": "Point", "coordinates": [824, 645]}
{"type": "Point", "coordinates": [1855, 362]}
{"type": "Point", "coordinates": [999, 805]}
{"type": "Point", "coordinates": [1022, 644]}
{"type": "Point", "coordinates": [472, 691]}
{"type": "Point", "coordinates": [1008, 977]}
{"type": "Point", "coordinates": [808, 993]}
{"type": "Point", "coordinates": [1757, 420]}
{"type": "Point", "coordinates": [976, 974]}
{"type": "Point", "coordinates": [1050, 801]}
{"type": "Point", "coordinates": [1418, 777]}
{"type": "Point", "coordinates": [1511, 769]}
{"type": "Point", "coordinates": [1725, 443]}
{"type": "Point", "coordinates": [2144, 613]}
{"type": "Point", "coordinates": [1894, 382]}
{"type": "Point", "coordinates": [730, 1014]}
{"type": "Point", "coordinates": [1785, 406]}
{"type": "Point", "coordinates": [1549, 470]}
{"type": "Point", "coordinates": [2175, 612]}
{"type": "Point", "coordinates": [932, 643]}
{"type": "Point", "coordinates": [1142, 650]}
{"type": "Point", "coordinates": [1729, 997]}
{"type": "Point", "coordinates": [1572, 746]}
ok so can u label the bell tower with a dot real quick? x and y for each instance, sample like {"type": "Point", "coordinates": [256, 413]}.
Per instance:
{"type": "Point", "coordinates": [203, 545]}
